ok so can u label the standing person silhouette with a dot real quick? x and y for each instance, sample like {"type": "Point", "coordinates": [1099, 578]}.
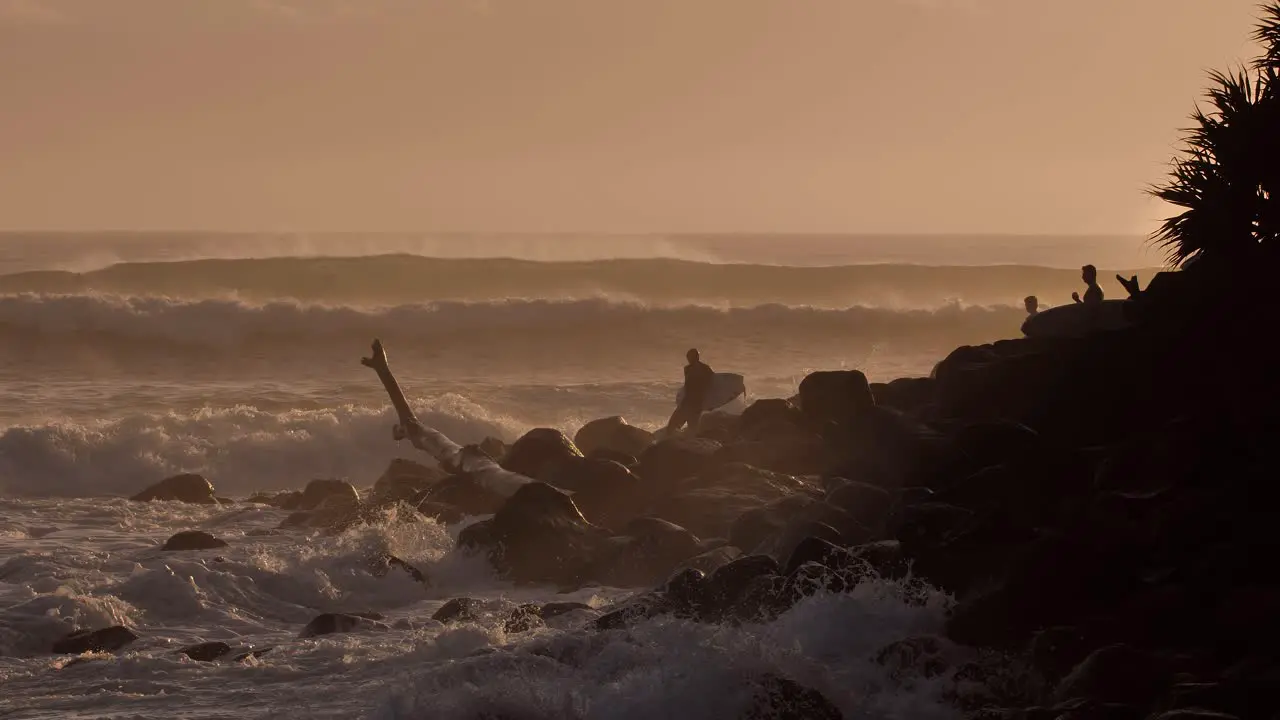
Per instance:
{"type": "Point", "coordinates": [697, 383]}
{"type": "Point", "coordinates": [1092, 293]}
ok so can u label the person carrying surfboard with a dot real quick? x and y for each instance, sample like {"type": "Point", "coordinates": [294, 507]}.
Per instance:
{"type": "Point", "coordinates": [697, 382]}
{"type": "Point", "coordinates": [1093, 293]}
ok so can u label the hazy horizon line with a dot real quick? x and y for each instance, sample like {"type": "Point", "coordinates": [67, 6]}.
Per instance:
{"type": "Point", "coordinates": [603, 233]}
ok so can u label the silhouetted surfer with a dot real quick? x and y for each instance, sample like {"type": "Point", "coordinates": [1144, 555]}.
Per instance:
{"type": "Point", "coordinates": [697, 383]}
{"type": "Point", "coordinates": [1093, 293]}
{"type": "Point", "coordinates": [1032, 304]}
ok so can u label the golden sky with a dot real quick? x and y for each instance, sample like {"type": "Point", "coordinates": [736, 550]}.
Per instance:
{"type": "Point", "coordinates": [1037, 116]}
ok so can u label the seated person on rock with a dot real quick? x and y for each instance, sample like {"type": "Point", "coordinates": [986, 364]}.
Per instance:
{"type": "Point", "coordinates": [1032, 304]}
{"type": "Point", "coordinates": [1130, 286]}
{"type": "Point", "coordinates": [1093, 293]}
{"type": "Point", "coordinates": [697, 383]}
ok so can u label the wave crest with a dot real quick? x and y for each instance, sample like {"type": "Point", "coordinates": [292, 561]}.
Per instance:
{"type": "Point", "coordinates": [211, 323]}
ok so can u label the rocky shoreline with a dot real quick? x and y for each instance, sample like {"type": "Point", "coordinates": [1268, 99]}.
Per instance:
{"type": "Point", "coordinates": [1099, 508]}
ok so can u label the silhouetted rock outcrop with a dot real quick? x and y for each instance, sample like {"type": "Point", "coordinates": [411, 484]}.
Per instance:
{"type": "Point", "coordinates": [193, 540]}
{"type": "Point", "coordinates": [612, 434]}
{"type": "Point", "coordinates": [108, 639]}
{"type": "Point", "coordinates": [187, 487]}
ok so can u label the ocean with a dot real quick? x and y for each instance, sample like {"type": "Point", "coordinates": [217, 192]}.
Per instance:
{"type": "Point", "coordinates": [125, 358]}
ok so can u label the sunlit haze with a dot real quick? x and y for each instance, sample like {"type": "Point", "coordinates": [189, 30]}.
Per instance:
{"type": "Point", "coordinates": [1019, 116]}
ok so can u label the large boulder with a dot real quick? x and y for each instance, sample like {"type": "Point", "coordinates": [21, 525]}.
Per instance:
{"type": "Point", "coordinates": [605, 491]}
{"type": "Point", "coordinates": [461, 492]}
{"type": "Point", "coordinates": [105, 640]}
{"type": "Point", "coordinates": [867, 503]}
{"type": "Point", "coordinates": [909, 395]}
{"type": "Point", "coordinates": [794, 453]}
{"type": "Point", "coordinates": [613, 434]}
{"type": "Point", "coordinates": [755, 527]}
{"type": "Point", "coordinates": [665, 463]}
{"type": "Point", "coordinates": [404, 479]}
{"type": "Point", "coordinates": [187, 487]}
{"type": "Point", "coordinates": [329, 493]}
{"type": "Point", "coordinates": [539, 536]}
{"type": "Point", "coordinates": [770, 419]}
{"type": "Point", "coordinates": [711, 502]}
{"type": "Point", "coordinates": [539, 452]}
{"type": "Point", "coordinates": [336, 623]}
{"type": "Point", "coordinates": [834, 396]}
{"type": "Point", "coordinates": [647, 552]}
{"type": "Point", "coordinates": [193, 540]}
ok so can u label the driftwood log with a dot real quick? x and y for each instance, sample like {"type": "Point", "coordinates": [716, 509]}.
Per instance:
{"type": "Point", "coordinates": [453, 457]}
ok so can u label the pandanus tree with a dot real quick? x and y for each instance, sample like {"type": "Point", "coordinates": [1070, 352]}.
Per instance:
{"type": "Point", "coordinates": [1227, 177]}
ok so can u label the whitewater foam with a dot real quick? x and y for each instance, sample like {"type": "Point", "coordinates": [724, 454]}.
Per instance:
{"type": "Point", "coordinates": [102, 566]}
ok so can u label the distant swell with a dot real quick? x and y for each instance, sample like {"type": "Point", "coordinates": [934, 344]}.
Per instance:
{"type": "Point", "coordinates": [211, 324]}
{"type": "Point", "coordinates": [405, 279]}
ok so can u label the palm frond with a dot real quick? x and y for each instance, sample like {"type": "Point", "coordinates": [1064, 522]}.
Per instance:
{"type": "Point", "coordinates": [1226, 181]}
{"type": "Point", "coordinates": [1268, 35]}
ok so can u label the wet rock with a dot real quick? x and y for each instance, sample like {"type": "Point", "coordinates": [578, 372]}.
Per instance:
{"type": "Point", "coordinates": [613, 434]}
{"type": "Point", "coordinates": [441, 513]}
{"type": "Point", "coordinates": [770, 419]}
{"type": "Point", "coordinates": [523, 619]}
{"type": "Point", "coordinates": [928, 525]}
{"type": "Point", "coordinates": [382, 563]}
{"type": "Point", "coordinates": [866, 503]}
{"type": "Point", "coordinates": [335, 623]}
{"type": "Point", "coordinates": [684, 590]}
{"type": "Point", "coordinates": [1194, 714]}
{"type": "Point", "coordinates": [461, 609]}
{"type": "Point", "coordinates": [819, 550]}
{"type": "Point", "coordinates": [331, 493]}
{"type": "Point", "coordinates": [792, 455]}
{"type": "Point", "coordinates": [108, 639]}
{"type": "Point", "coordinates": [710, 503]}
{"type": "Point", "coordinates": [289, 500]}
{"type": "Point", "coordinates": [726, 591]}
{"type": "Point", "coordinates": [251, 654]}
{"type": "Point", "coordinates": [834, 396]}
{"type": "Point", "coordinates": [850, 530]}
{"type": "Point", "coordinates": [665, 463]}
{"type": "Point", "coordinates": [649, 551]}
{"type": "Point", "coordinates": [494, 448]}
{"type": "Point", "coordinates": [405, 479]}
{"type": "Point", "coordinates": [908, 395]}
{"type": "Point", "coordinates": [623, 459]}
{"type": "Point", "coordinates": [778, 698]}
{"type": "Point", "coordinates": [712, 560]}
{"type": "Point", "coordinates": [539, 536]}
{"type": "Point", "coordinates": [606, 492]}
{"type": "Point", "coordinates": [464, 494]}
{"type": "Point", "coordinates": [1117, 674]}
{"type": "Point", "coordinates": [556, 609]}
{"type": "Point", "coordinates": [754, 527]}
{"type": "Point", "coordinates": [206, 652]}
{"type": "Point", "coordinates": [811, 578]}
{"type": "Point", "coordinates": [796, 532]}
{"type": "Point", "coordinates": [476, 536]}
{"type": "Point", "coordinates": [300, 518]}
{"type": "Point", "coordinates": [192, 540]}
{"type": "Point", "coordinates": [884, 556]}
{"type": "Point", "coordinates": [634, 610]}
{"type": "Point", "coordinates": [539, 451]}
{"type": "Point", "coordinates": [187, 487]}
{"type": "Point", "coordinates": [1056, 651]}
{"type": "Point", "coordinates": [922, 656]}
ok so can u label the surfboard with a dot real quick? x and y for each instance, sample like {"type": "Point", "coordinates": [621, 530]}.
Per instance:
{"type": "Point", "coordinates": [724, 388]}
{"type": "Point", "coordinates": [1076, 319]}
